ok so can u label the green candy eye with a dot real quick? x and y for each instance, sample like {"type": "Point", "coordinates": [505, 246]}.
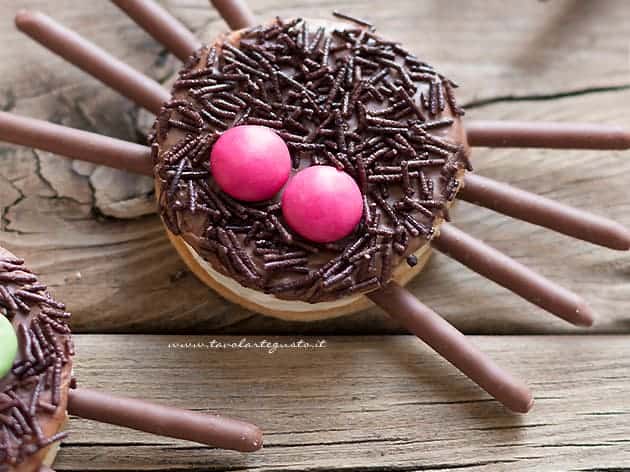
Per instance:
{"type": "Point", "coordinates": [8, 345]}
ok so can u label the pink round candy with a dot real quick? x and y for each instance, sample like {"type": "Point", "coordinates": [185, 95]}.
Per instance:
{"type": "Point", "coordinates": [250, 163]}
{"type": "Point", "coordinates": [322, 204]}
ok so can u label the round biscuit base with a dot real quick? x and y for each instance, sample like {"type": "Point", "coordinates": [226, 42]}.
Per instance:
{"type": "Point", "coordinates": [290, 310]}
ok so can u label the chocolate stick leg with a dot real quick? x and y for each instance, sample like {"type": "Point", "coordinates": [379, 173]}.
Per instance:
{"type": "Point", "coordinates": [236, 13]}
{"type": "Point", "coordinates": [512, 275]}
{"type": "Point", "coordinates": [163, 26]}
{"type": "Point", "coordinates": [434, 330]}
{"type": "Point", "coordinates": [95, 61]}
{"type": "Point", "coordinates": [542, 211]}
{"type": "Point", "coordinates": [75, 144]}
{"type": "Point", "coordinates": [216, 431]}
{"type": "Point", "coordinates": [546, 135]}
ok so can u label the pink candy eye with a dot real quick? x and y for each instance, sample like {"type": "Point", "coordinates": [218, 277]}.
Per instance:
{"type": "Point", "coordinates": [250, 163]}
{"type": "Point", "coordinates": [322, 204]}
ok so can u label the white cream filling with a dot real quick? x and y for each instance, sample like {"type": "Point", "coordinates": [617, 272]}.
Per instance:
{"type": "Point", "coordinates": [265, 299]}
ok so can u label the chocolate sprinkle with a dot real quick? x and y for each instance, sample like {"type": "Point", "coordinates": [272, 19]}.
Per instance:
{"type": "Point", "coordinates": [345, 98]}
{"type": "Point", "coordinates": [33, 388]}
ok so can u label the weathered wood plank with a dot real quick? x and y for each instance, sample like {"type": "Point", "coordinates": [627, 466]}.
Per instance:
{"type": "Point", "coordinates": [364, 404]}
{"type": "Point", "coordinates": [121, 275]}
{"type": "Point", "coordinates": [491, 47]}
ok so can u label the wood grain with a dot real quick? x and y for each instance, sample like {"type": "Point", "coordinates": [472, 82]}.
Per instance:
{"type": "Point", "coordinates": [92, 232]}
{"type": "Point", "coordinates": [363, 404]}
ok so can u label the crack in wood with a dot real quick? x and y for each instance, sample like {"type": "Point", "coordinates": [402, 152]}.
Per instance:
{"type": "Point", "coordinates": [9, 100]}
{"type": "Point", "coordinates": [78, 445]}
{"type": "Point", "coordinates": [474, 104]}
{"type": "Point", "coordinates": [560, 445]}
{"type": "Point", "coordinates": [4, 218]}
{"type": "Point", "coordinates": [604, 469]}
{"type": "Point", "coordinates": [518, 427]}
{"type": "Point", "coordinates": [315, 468]}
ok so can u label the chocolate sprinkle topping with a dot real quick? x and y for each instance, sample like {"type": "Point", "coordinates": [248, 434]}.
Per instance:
{"type": "Point", "coordinates": [33, 388]}
{"type": "Point", "coordinates": [344, 97]}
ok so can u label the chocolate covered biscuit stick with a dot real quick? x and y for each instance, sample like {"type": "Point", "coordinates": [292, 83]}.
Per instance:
{"type": "Point", "coordinates": [512, 275]}
{"type": "Point", "coordinates": [211, 430]}
{"type": "Point", "coordinates": [542, 211]}
{"type": "Point", "coordinates": [547, 135]}
{"type": "Point", "coordinates": [447, 341]}
{"type": "Point", "coordinates": [163, 26]}
{"type": "Point", "coordinates": [236, 13]}
{"type": "Point", "coordinates": [75, 143]}
{"type": "Point", "coordinates": [95, 61]}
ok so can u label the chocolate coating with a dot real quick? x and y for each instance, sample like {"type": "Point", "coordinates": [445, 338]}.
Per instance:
{"type": "Point", "coordinates": [160, 24]}
{"type": "Point", "coordinates": [453, 346]}
{"type": "Point", "coordinates": [547, 135]}
{"type": "Point", "coordinates": [211, 430]}
{"type": "Point", "coordinates": [74, 143]}
{"type": "Point", "coordinates": [343, 97]}
{"type": "Point", "coordinates": [95, 61]}
{"type": "Point", "coordinates": [236, 13]}
{"type": "Point", "coordinates": [509, 273]}
{"type": "Point", "coordinates": [542, 211]}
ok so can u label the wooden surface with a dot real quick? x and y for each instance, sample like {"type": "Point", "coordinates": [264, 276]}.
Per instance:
{"type": "Point", "coordinates": [83, 228]}
{"type": "Point", "coordinates": [372, 404]}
